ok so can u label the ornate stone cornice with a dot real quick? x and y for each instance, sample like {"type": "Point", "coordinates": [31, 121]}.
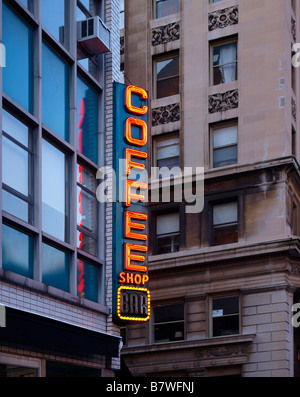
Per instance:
{"type": "Point", "coordinates": [165, 34]}
{"type": "Point", "coordinates": [223, 101]}
{"type": "Point", "coordinates": [293, 28]}
{"type": "Point", "coordinates": [222, 18]}
{"type": "Point", "coordinates": [166, 114]}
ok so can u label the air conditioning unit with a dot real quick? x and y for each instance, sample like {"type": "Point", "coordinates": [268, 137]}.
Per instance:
{"type": "Point", "coordinates": [94, 36]}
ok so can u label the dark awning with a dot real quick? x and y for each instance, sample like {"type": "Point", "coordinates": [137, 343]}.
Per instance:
{"type": "Point", "coordinates": [39, 333]}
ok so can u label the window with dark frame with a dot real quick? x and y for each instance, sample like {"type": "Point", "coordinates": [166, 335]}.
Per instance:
{"type": "Point", "coordinates": [224, 144]}
{"type": "Point", "coordinates": [163, 8]}
{"type": "Point", "coordinates": [225, 315]}
{"type": "Point", "coordinates": [168, 232]}
{"type": "Point", "coordinates": [166, 154]}
{"type": "Point", "coordinates": [166, 75]}
{"type": "Point", "coordinates": [17, 168]}
{"type": "Point", "coordinates": [225, 222]}
{"type": "Point", "coordinates": [168, 323]}
{"type": "Point", "coordinates": [224, 62]}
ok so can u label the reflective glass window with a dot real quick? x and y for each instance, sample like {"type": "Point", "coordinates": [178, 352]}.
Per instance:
{"type": "Point", "coordinates": [17, 251]}
{"type": "Point", "coordinates": [55, 93]}
{"type": "Point", "coordinates": [55, 267]}
{"type": "Point", "coordinates": [86, 211]}
{"type": "Point", "coordinates": [53, 191]}
{"type": "Point", "coordinates": [18, 73]}
{"type": "Point", "coordinates": [87, 120]}
{"type": "Point", "coordinates": [53, 17]}
{"type": "Point", "coordinates": [166, 7]}
{"type": "Point", "coordinates": [167, 76]}
{"type": "Point", "coordinates": [87, 280]}
{"type": "Point", "coordinates": [16, 167]}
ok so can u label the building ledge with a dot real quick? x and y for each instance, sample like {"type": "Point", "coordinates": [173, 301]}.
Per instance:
{"type": "Point", "coordinates": [204, 353]}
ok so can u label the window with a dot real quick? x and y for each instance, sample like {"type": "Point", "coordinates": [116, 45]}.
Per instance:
{"type": "Point", "coordinates": [164, 8]}
{"type": "Point", "coordinates": [167, 76]}
{"type": "Point", "coordinates": [168, 323]}
{"type": "Point", "coordinates": [18, 73]}
{"type": "Point", "coordinates": [87, 280]}
{"type": "Point", "coordinates": [224, 144]}
{"type": "Point", "coordinates": [167, 233]}
{"type": "Point", "coordinates": [225, 223]}
{"type": "Point", "coordinates": [87, 121]}
{"type": "Point", "coordinates": [86, 211]}
{"type": "Point", "coordinates": [16, 168]}
{"type": "Point", "coordinates": [122, 14]}
{"type": "Point", "coordinates": [225, 315]}
{"type": "Point", "coordinates": [55, 93]}
{"type": "Point", "coordinates": [17, 251]}
{"type": "Point", "coordinates": [224, 60]}
{"type": "Point", "coordinates": [55, 267]}
{"type": "Point", "coordinates": [167, 154]}
{"type": "Point", "coordinates": [53, 18]}
{"type": "Point", "coordinates": [53, 191]}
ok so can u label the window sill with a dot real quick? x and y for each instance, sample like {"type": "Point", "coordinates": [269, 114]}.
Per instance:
{"type": "Point", "coordinates": [37, 287]}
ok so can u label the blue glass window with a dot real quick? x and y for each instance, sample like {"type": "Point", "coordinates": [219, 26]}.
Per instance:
{"type": "Point", "coordinates": [87, 120]}
{"type": "Point", "coordinates": [18, 73]}
{"type": "Point", "coordinates": [17, 251]}
{"type": "Point", "coordinates": [53, 191]}
{"type": "Point", "coordinates": [55, 93]}
{"type": "Point", "coordinates": [16, 167]}
{"type": "Point", "coordinates": [87, 280]}
{"type": "Point", "coordinates": [53, 17]}
{"type": "Point", "coordinates": [55, 268]}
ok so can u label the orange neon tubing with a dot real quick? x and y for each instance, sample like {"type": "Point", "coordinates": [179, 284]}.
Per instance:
{"type": "Point", "coordinates": [141, 92]}
{"type": "Point", "coordinates": [139, 123]}
{"type": "Point", "coordinates": [133, 164]}
{"type": "Point", "coordinates": [135, 196]}
{"type": "Point", "coordinates": [134, 225]}
{"type": "Point", "coordinates": [139, 258]}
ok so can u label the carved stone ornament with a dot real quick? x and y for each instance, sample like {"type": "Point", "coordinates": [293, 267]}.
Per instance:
{"type": "Point", "coordinates": [294, 109]}
{"type": "Point", "coordinates": [166, 114]}
{"type": "Point", "coordinates": [223, 101]}
{"type": "Point", "coordinates": [122, 45]}
{"type": "Point", "coordinates": [222, 18]}
{"type": "Point", "coordinates": [165, 34]}
{"type": "Point", "coordinates": [293, 24]}
{"type": "Point", "coordinates": [223, 351]}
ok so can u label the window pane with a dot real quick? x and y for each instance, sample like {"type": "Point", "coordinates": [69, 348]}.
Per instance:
{"type": "Point", "coordinates": [225, 326]}
{"type": "Point", "coordinates": [55, 267]}
{"type": "Point", "coordinates": [166, 7]}
{"type": "Point", "coordinates": [53, 17]}
{"type": "Point", "coordinates": [15, 163]}
{"type": "Point", "coordinates": [14, 128]}
{"type": "Point", "coordinates": [225, 213]}
{"type": "Point", "coordinates": [228, 305]}
{"type": "Point", "coordinates": [167, 77]}
{"type": "Point", "coordinates": [224, 63]}
{"type": "Point", "coordinates": [88, 280]}
{"type": "Point", "coordinates": [169, 332]}
{"type": "Point", "coordinates": [17, 252]}
{"type": "Point", "coordinates": [225, 136]}
{"type": "Point", "coordinates": [87, 120]}
{"type": "Point", "coordinates": [167, 223]}
{"type": "Point", "coordinates": [55, 93]}
{"type": "Point", "coordinates": [225, 156]}
{"type": "Point", "coordinates": [166, 245]}
{"type": "Point", "coordinates": [15, 206]}
{"type": "Point", "coordinates": [18, 73]}
{"type": "Point", "coordinates": [86, 243]}
{"type": "Point", "coordinates": [167, 313]}
{"type": "Point", "coordinates": [53, 191]}
{"type": "Point", "coordinates": [86, 210]}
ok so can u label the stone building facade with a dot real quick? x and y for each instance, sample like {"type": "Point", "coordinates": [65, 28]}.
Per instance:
{"type": "Point", "coordinates": [224, 96]}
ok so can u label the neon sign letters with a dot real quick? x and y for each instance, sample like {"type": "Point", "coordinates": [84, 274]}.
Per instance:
{"type": "Point", "coordinates": [131, 295]}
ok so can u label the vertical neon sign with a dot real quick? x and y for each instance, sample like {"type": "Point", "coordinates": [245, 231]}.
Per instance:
{"type": "Point", "coordinates": [131, 297]}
